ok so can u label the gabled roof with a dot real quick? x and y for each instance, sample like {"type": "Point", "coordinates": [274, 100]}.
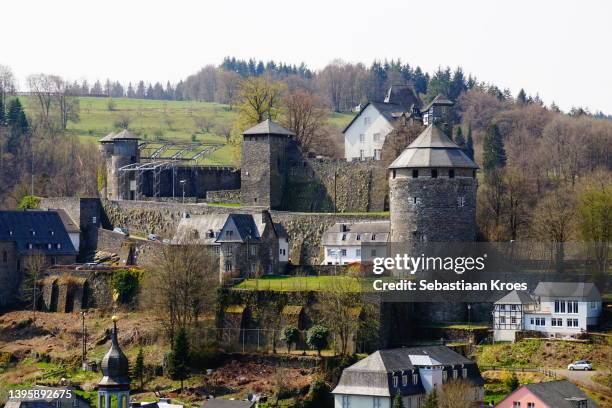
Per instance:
{"type": "Point", "coordinates": [439, 100]}
{"type": "Point", "coordinates": [69, 224]}
{"type": "Point", "coordinates": [268, 127]}
{"type": "Point", "coordinates": [123, 135]}
{"type": "Point", "coordinates": [43, 229]}
{"type": "Point", "coordinates": [432, 148]}
{"type": "Point", "coordinates": [516, 298]}
{"type": "Point", "coordinates": [198, 229]}
{"type": "Point", "coordinates": [368, 232]}
{"type": "Point", "coordinates": [403, 95]}
{"type": "Point", "coordinates": [558, 394]}
{"type": "Point", "coordinates": [578, 290]}
{"type": "Point", "coordinates": [245, 226]}
{"type": "Point", "coordinates": [389, 111]}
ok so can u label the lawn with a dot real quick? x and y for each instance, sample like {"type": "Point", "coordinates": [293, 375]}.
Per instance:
{"type": "Point", "coordinates": [155, 120]}
{"type": "Point", "coordinates": [299, 283]}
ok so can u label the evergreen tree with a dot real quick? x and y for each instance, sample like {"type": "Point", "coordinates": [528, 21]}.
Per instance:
{"type": "Point", "coordinates": [459, 139]}
{"type": "Point", "coordinates": [494, 153]}
{"type": "Point", "coordinates": [2, 113]}
{"type": "Point", "coordinates": [139, 368]}
{"type": "Point", "coordinates": [140, 90]}
{"type": "Point", "coordinates": [469, 144]}
{"type": "Point", "coordinates": [512, 382]}
{"type": "Point", "coordinates": [397, 401]}
{"type": "Point", "coordinates": [431, 401]}
{"type": "Point", "coordinates": [179, 357]}
{"type": "Point", "coordinates": [521, 98]}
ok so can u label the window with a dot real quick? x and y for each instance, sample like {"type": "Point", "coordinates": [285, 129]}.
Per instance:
{"type": "Point", "coordinates": [377, 154]}
{"type": "Point", "coordinates": [362, 138]}
{"type": "Point", "coordinates": [532, 321]}
{"type": "Point", "coordinates": [539, 321]}
{"type": "Point", "coordinates": [404, 380]}
{"type": "Point", "coordinates": [572, 307]}
{"type": "Point", "coordinates": [593, 305]}
{"type": "Point", "coordinates": [49, 246]}
{"type": "Point", "coordinates": [343, 252]}
{"type": "Point", "coordinates": [516, 405]}
{"type": "Point", "coordinates": [373, 252]}
{"type": "Point", "coordinates": [377, 137]}
{"type": "Point", "coordinates": [451, 173]}
{"type": "Point", "coordinates": [51, 232]}
{"type": "Point", "coordinates": [228, 266]}
{"type": "Point", "coordinates": [513, 320]}
{"type": "Point", "coordinates": [346, 401]}
{"type": "Point", "coordinates": [464, 372]}
{"type": "Point", "coordinates": [415, 379]}
{"type": "Point", "coordinates": [395, 380]}
{"type": "Point", "coordinates": [434, 173]}
{"type": "Point", "coordinates": [531, 405]}
{"type": "Point", "coordinates": [29, 246]}
{"type": "Point", "coordinates": [377, 403]}
{"type": "Point", "coordinates": [393, 173]}
{"type": "Point", "coordinates": [228, 233]}
{"type": "Point", "coordinates": [94, 220]}
{"type": "Point", "coordinates": [331, 252]}
{"type": "Point", "coordinates": [455, 374]}
{"type": "Point", "coordinates": [228, 250]}
{"type": "Point", "coordinates": [502, 319]}
{"type": "Point", "coordinates": [461, 201]}
{"type": "Point", "coordinates": [373, 237]}
{"type": "Point", "coordinates": [344, 237]}
{"type": "Point", "coordinates": [502, 307]}
{"type": "Point", "coordinates": [217, 249]}
{"type": "Point", "coordinates": [572, 322]}
{"type": "Point", "coordinates": [366, 120]}
{"type": "Point", "coordinates": [358, 252]}
{"type": "Point", "coordinates": [253, 250]}
{"type": "Point", "coordinates": [556, 322]}
{"type": "Point", "coordinates": [361, 154]}
{"type": "Point", "coordinates": [415, 173]}
{"type": "Point", "coordinates": [358, 237]}
{"type": "Point", "coordinates": [444, 376]}
{"type": "Point", "coordinates": [513, 308]}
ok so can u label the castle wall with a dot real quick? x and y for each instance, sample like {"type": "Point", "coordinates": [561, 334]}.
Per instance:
{"type": "Point", "coordinates": [199, 180]}
{"type": "Point", "coordinates": [10, 277]}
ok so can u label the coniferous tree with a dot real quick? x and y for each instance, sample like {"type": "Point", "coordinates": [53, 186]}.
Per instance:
{"type": "Point", "coordinates": [469, 144]}
{"type": "Point", "coordinates": [459, 139]}
{"type": "Point", "coordinates": [179, 357]}
{"type": "Point", "coordinates": [431, 401]}
{"type": "Point", "coordinates": [521, 98]}
{"type": "Point", "coordinates": [494, 153]}
{"type": "Point", "coordinates": [18, 125]}
{"type": "Point", "coordinates": [139, 368]}
{"type": "Point", "coordinates": [397, 401]}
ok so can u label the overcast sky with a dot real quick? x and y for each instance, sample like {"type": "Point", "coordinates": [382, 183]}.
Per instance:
{"type": "Point", "coordinates": [559, 49]}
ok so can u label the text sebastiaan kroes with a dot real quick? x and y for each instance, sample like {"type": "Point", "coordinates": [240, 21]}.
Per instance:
{"type": "Point", "coordinates": [459, 265]}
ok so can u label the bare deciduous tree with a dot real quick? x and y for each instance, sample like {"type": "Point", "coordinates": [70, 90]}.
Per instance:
{"type": "Point", "coordinates": [457, 394]}
{"type": "Point", "coordinates": [305, 116]}
{"type": "Point", "coordinates": [35, 264]}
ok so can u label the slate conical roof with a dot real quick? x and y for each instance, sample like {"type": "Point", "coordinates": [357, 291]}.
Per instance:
{"type": "Point", "coordinates": [268, 127]}
{"type": "Point", "coordinates": [123, 135]}
{"type": "Point", "coordinates": [432, 148]}
{"type": "Point", "coordinates": [115, 366]}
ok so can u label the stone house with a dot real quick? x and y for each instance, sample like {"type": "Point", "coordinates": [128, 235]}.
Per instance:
{"type": "Point", "coordinates": [355, 242]}
{"type": "Point", "coordinates": [365, 134]}
{"type": "Point", "coordinates": [411, 372]}
{"type": "Point", "coordinates": [552, 394]}
{"type": "Point", "coordinates": [556, 309]}
{"type": "Point", "coordinates": [23, 233]}
{"type": "Point", "coordinates": [246, 244]}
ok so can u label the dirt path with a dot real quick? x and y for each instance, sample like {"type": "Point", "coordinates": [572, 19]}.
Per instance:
{"type": "Point", "coordinates": [583, 378]}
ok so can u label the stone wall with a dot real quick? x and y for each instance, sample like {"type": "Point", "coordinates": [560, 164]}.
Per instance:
{"type": "Point", "coordinates": [223, 196]}
{"type": "Point", "coordinates": [10, 277]}
{"type": "Point", "coordinates": [73, 290]}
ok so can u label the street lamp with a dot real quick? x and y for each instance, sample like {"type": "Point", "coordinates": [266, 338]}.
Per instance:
{"type": "Point", "coordinates": [183, 184]}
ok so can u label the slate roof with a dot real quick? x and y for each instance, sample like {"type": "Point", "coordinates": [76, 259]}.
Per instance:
{"type": "Point", "coordinates": [198, 227]}
{"type": "Point", "coordinates": [516, 298]}
{"type": "Point", "coordinates": [432, 148]}
{"type": "Point", "coordinates": [366, 230]}
{"type": "Point", "coordinates": [402, 95]}
{"type": "Point", "coordinates": [246, 227]}
{"type": "Point", "coordinates": [39, 228]}
{"type": "Point", "coordinates": [438, 100]}
{"type": "Point", "coordinates": [123, 135]}
{"type": "Point", "coordinates": [69, 224]}
{"type": "Point", "coordinates": [371, 375]}
{"type": "Point", "coordinates": [390, 111]}
{"type": "Point", "coordinates": [217, 403]}
{"type": "Point", "coordinates": [585, 291]}
{"type": "Point", "coordinates": [558, 394]}
{"type": "Point", "coordinates": [268, 127]}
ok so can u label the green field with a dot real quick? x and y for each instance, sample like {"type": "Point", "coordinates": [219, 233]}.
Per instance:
{"type": "Point", "coordinates": [156, 120]}
{"type": "Point", "coordinates": [298, 283]}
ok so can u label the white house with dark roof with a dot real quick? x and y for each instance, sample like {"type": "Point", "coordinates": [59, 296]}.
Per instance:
{"type": "Point", "coordinates": [365, 134]}
{"type": "Point", "coordinates": [345, 243]}
{"type": "Point", "coordinates": [557, 309]}
{"type": "Point", "coordinates": [412, 372]}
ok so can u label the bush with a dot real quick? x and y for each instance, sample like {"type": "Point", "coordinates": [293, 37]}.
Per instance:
{"type": "Point", "coordinates": [512, 382]}
{"type": "Point", "coordinates": [319, 396]}
{"type": "Point", "coordinates": [317, 338]}
{"type": "Point", "coordinates": [29, 202]}
{"type": "Point", "coordinates": [205, 357]}
{"type": "Point", "coordinates": [125, 284]}
{"type": "Point", "coordinates": [291, 335]}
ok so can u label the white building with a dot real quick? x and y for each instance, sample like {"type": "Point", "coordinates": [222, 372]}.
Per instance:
{"type": "Point", "coordinates": [557, 309]}
{"type": "Point", "coordinates": [411, 372]}
{"type": "Point", "coordinates": [357, 242]}
{"type": "Point", "coordinates": [365, 134]}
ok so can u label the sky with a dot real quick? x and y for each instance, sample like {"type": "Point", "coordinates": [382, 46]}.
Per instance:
{"type": "Point", "coordinates": [561, 49]}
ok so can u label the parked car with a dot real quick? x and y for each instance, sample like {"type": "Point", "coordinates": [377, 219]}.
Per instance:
{"type": "Point", "coordinates": [153, 237]}
{"type": "Point", "coordinates": [584, 365]}
{"type": "Point", "coordinates": [121, 230]}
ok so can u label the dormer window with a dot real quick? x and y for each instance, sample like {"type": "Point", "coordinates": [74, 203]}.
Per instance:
{"type": "Point", "coordinates": [32, 232]}
{"type": "Point", "coordinates": [464, 372]}
{"type": "Point", "coordinates": [395, 381]}
{"type": "Point", "coordinates": [211, 234]}
{"type": "Point", "coordinates": [404, 380]}
{"type": "Point", "coordinates": [58, 246]}
{"type": "Point", "coordinates": [51, 232]}
{"type": "Point", "coordinates": [444, 376]}
{"type": "Point", "coordinates": [415, 379]}
{"type": "Point", "coordinates": [49, 246]}
{"type": "Point", "coordinates": [229, 233]}
{"type": "Point", "coordinates": [358, 237]}
{"type": "Point", "coordinates": [11, 232]}
{"type": "Point", "coordinates": [29, 246]}
{"type": "Point", "coordinates": [455, 374]}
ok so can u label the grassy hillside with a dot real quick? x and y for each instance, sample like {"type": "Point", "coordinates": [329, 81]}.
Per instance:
{"type": "Point", "coordinates": [154, 120]}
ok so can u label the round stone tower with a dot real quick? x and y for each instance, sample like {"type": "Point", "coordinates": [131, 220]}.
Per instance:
{"type": "Point", "coordinates": [119, 150]}
{"type": "Point", "coordinates": [114, 388]}
{"type": "Point", "coordinates": [432, 191]}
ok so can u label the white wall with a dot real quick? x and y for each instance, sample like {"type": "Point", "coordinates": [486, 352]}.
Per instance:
{"type": "Point", "coordinates": [361, 401]}
{"type": "Point", "coordinates": [378, 124]}
{"type": "Point", "coordinates": [586, 316]}
{"type": "Point", "coordinates": [283, 250]}
{"type": "Point", "coordinates": [338, 259]}
{"type": "Point", "coordinates": [75, 238]}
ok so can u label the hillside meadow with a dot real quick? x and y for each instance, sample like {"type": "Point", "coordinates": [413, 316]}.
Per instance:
{"type": "Point", "coordinates": [157, 120]}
